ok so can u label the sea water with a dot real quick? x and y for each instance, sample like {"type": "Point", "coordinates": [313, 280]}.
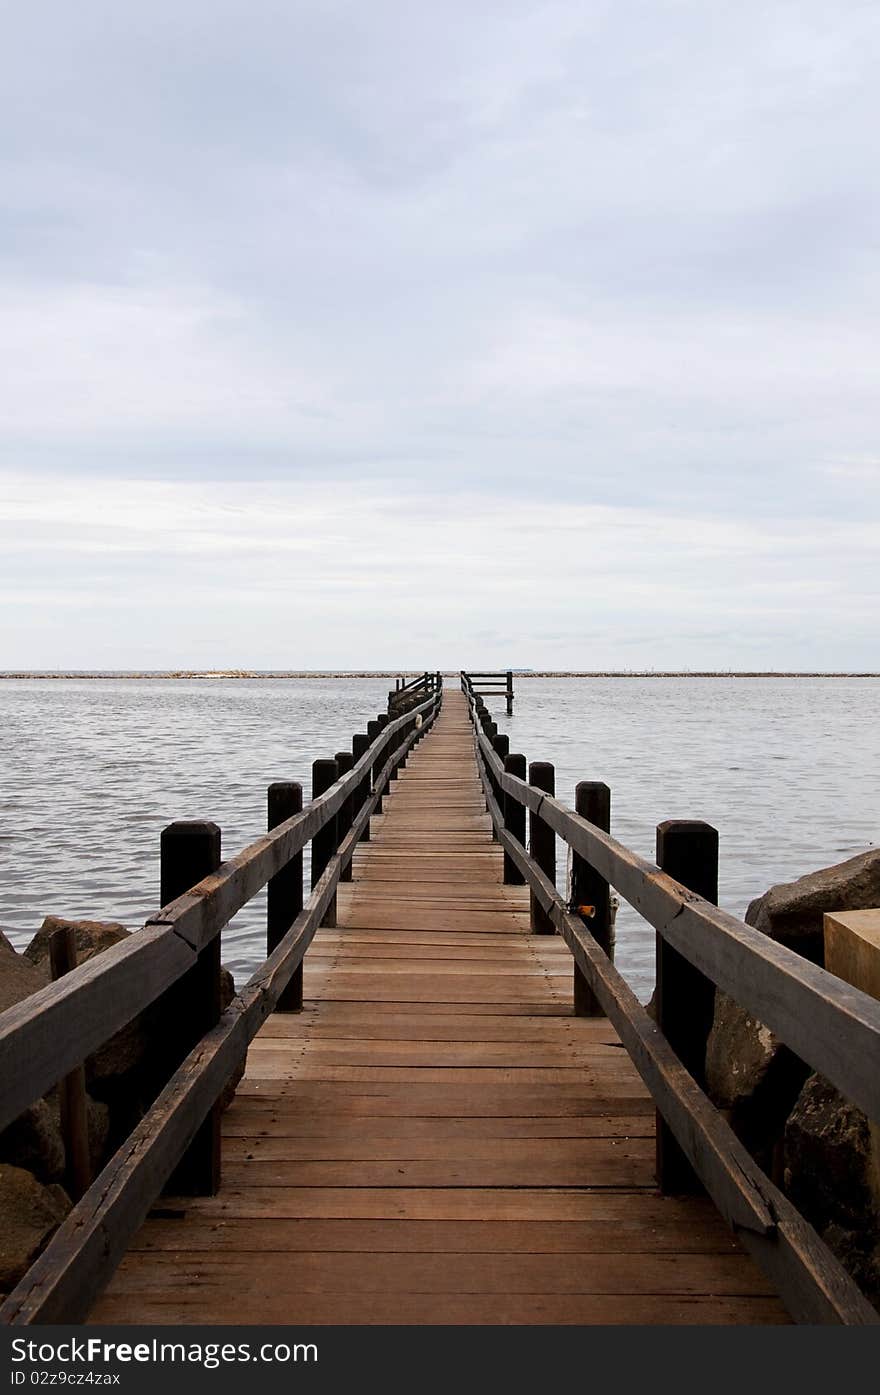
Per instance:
{"type": "Point", "coordinates": [788, 771]}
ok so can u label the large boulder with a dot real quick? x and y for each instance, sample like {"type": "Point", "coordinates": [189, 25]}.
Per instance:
{"type": "Point", "coordinates": [792, 912]}
{"type": "Point", "coordinates": [19, 978]}
{"type": "Point", "coordinates": [34, 1141]}
{"type": "Point", "coordinates": [829, 1175]}
{"type": "Point", "coordinates": [749, 1073]}
{"type": "Point", "coordinates": [91, 937]}
{"type": "Point", "coordinates": [109, 1069]}
{"type": "Point", "coordinates": [30, 1214]}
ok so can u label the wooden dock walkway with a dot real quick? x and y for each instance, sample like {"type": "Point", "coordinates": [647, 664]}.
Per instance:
{"type": "Point", "coordinates": [436, 1138]}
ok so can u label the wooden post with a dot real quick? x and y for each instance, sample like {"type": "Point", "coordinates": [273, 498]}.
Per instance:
{"type": "Point", "coordinates": [345, 817]}
{"type": "Point", "coordinates": [325, 842]}
{"type": "Point", "coordinates": [685, 998]}
{"type": "Point", "coordinates": [189, 851]}
{"type": "Point", "coordinates": [510, 692]}
{"type": "Point", "coordinates": [590, 893]}
{"type": "Point", "coordinates": [542, 844]}
{"type": "Point", "coordinates": [284, 892]}
{"type": "Point", "coordinates": [72, 1088]}
{"type": "Point", "coordinates": [501, 747]}
{"type": "Point", "coordinates": [514, 819]}
{"type": "Point", "coordinates": [360, 743]}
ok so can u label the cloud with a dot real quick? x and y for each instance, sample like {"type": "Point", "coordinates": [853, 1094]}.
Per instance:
{"type": "Point", "coordinates": [254, 572]}
{"type": "Point", "coordinates": [467, 277]}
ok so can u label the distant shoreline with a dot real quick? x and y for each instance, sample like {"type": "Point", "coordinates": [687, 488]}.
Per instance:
{"type": "Point", "coordinates": [209, 674]}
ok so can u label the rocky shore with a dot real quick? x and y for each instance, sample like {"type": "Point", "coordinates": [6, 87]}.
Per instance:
{"type": "Point", "coordinates": [35, 1191]}
{"type": "Point", "coordinates": [812, 1142]}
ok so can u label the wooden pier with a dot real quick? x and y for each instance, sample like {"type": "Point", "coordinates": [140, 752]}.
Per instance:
{"type": "Point", "coordinates": [449, 1130]}
{"type": "Point", "coordinates": [435, 1138]}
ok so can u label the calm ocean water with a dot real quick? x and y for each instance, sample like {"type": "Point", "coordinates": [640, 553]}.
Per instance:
{"type": "Point", "coordinates": [788, 770]}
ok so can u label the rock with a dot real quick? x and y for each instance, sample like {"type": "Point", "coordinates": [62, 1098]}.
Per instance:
{"type": "Point", "coordinates": [18, 976]}
{"type": "Point", "coordinates": [34, 1141]}
{"type": "Point", "coordinates": [828, 1158]}
{"type": "Point", "coordinates": [91, 938]}
{"type": "Point", "coordinates": [792, 912]}
{"type": "Point", "coordinates": [749, 1073]}
{"type": "Point", "coordinates": [98, 1120]}
{"type": "Point", "coordinates": [29, 1215]}
{"type": "Point", "coordinates": [828, 1175]}
{"type": "Point", "coordinates": [122, 1053]}
{"type": "Point", "coordinates": [752, 1077]}
{"type": "Point", "coordinates": [859, 1253]}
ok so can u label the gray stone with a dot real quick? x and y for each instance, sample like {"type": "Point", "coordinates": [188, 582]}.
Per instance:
{"type": "Point", "coordinates": [749, 1073]}
{"type": "Point", "coordinates": [34, 1141]}
{"type": "Point", "coordinates": [792, 912]}
{"type": "Point", "coordinates": [828, 1158]}
{"type": "Point", "coordinates": [123, 1053]}
{"type": "Point", "coordinates": [90, 936]}
{"type": "Point", "coordinates": [828, 1176]}
{"type": "Point", "coordinates": [29, 1215]}
{"type": "Point", "coordinates": [19, 978]}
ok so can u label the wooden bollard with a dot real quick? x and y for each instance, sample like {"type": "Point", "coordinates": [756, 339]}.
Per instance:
{"type": "Point", "coordinates": [514, 819]}
{"type": "Point", "coordinates": [509, 693]}
{"type": "Point", "coordinates": [360, 743]}
{"type": "Point", "coordinates": [590, 893]}
{"type": "Point", "coordinates": [685, 998]}
{"type": "Point", "coordinates": [72, 1088]}
{"type": "Point", "coordinates": [325, 842]}
{"type": "Point", "coordinates": [189, 851]}
{"type": "Point", "coordinates": [542, 844]}
{"type": "Point", "coordinates": [284, 891]}
{"type": "Point", "coordinates": [501, 747]}
{"type": "Point", "coordinates": [345, 817]}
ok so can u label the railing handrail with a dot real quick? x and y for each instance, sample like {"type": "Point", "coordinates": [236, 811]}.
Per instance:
{"type": "Point", "coordinates": [53, 1030]}
{"type": "Point", "coordinates": [812, 1280]}
{"type": "Point", "coordinates": [830, 1024]}
{"type": "Point", "coordinates": [84, 1251]}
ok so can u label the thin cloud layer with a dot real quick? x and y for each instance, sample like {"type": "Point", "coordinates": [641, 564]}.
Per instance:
{"type": "Point", "coordinates": [386, 317]}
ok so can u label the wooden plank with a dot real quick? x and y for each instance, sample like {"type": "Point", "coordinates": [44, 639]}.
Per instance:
{"type": "Point", "coordinates": [191, 1234]}
{"type": "Point", "coordinates": [260, 1304]}
{"type": "Point", "coordinates": [257, 1122]}
{"type": "Point", "coordinates": [483, 1098]}
{"type": "Point", "coordinates": [328, 1272]}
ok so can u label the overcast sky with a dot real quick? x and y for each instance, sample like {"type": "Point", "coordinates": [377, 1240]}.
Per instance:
{"type": "Point", "coordinates": [345, 334]}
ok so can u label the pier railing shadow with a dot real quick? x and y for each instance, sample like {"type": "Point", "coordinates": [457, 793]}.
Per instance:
{"type": "Point", "coordinates": [832, 1026]}
{"type": "Point", "coordinates": [172, 967]}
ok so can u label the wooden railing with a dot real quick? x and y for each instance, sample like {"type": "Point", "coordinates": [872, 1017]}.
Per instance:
{"type": "Point", "coordinates": [833, 1027]}
{"type": "Point", "coordinates": [173, 963]}
{"type": "Point", "coordinates": [406, 696]}
{"type": "Point", "coordinates": [496, 684]}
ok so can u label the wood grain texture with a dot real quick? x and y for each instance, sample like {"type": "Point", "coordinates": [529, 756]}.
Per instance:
{"type": "Point", "coordinates": [436, 1138]}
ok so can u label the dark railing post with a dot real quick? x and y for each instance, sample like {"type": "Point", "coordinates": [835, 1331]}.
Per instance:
{"type": "Point", "coordinates": [685, 998]}
{"type": "Point", "coordinates": [373, 729]}
{"type": "Point", "coordinates": [284, 892]}
{"type": "Point", "coordinates": [345, 817]}
{"type": "Point", "coordinates": [72, 1088]}
{"type": "Point", "coordinates": [514, 819]}
{"type": "Point", "coordinates": [501, 747]}
{"type": "Point", "coordinates": [360, 744]}
{"type": "Point", "coordinates": [509, 692]}
{"type": "Point", "coordinates": [590, 893]}
{"type": "Point", "coordinates": [542, 844]}
{"type": "Point", "coordinates": [325, 842]}
{"type": "Point", "coordinates": [190, 851]}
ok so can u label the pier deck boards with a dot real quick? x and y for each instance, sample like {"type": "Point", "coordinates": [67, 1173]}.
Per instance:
{"type": "Point", "coordinates": [436, 1138]}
